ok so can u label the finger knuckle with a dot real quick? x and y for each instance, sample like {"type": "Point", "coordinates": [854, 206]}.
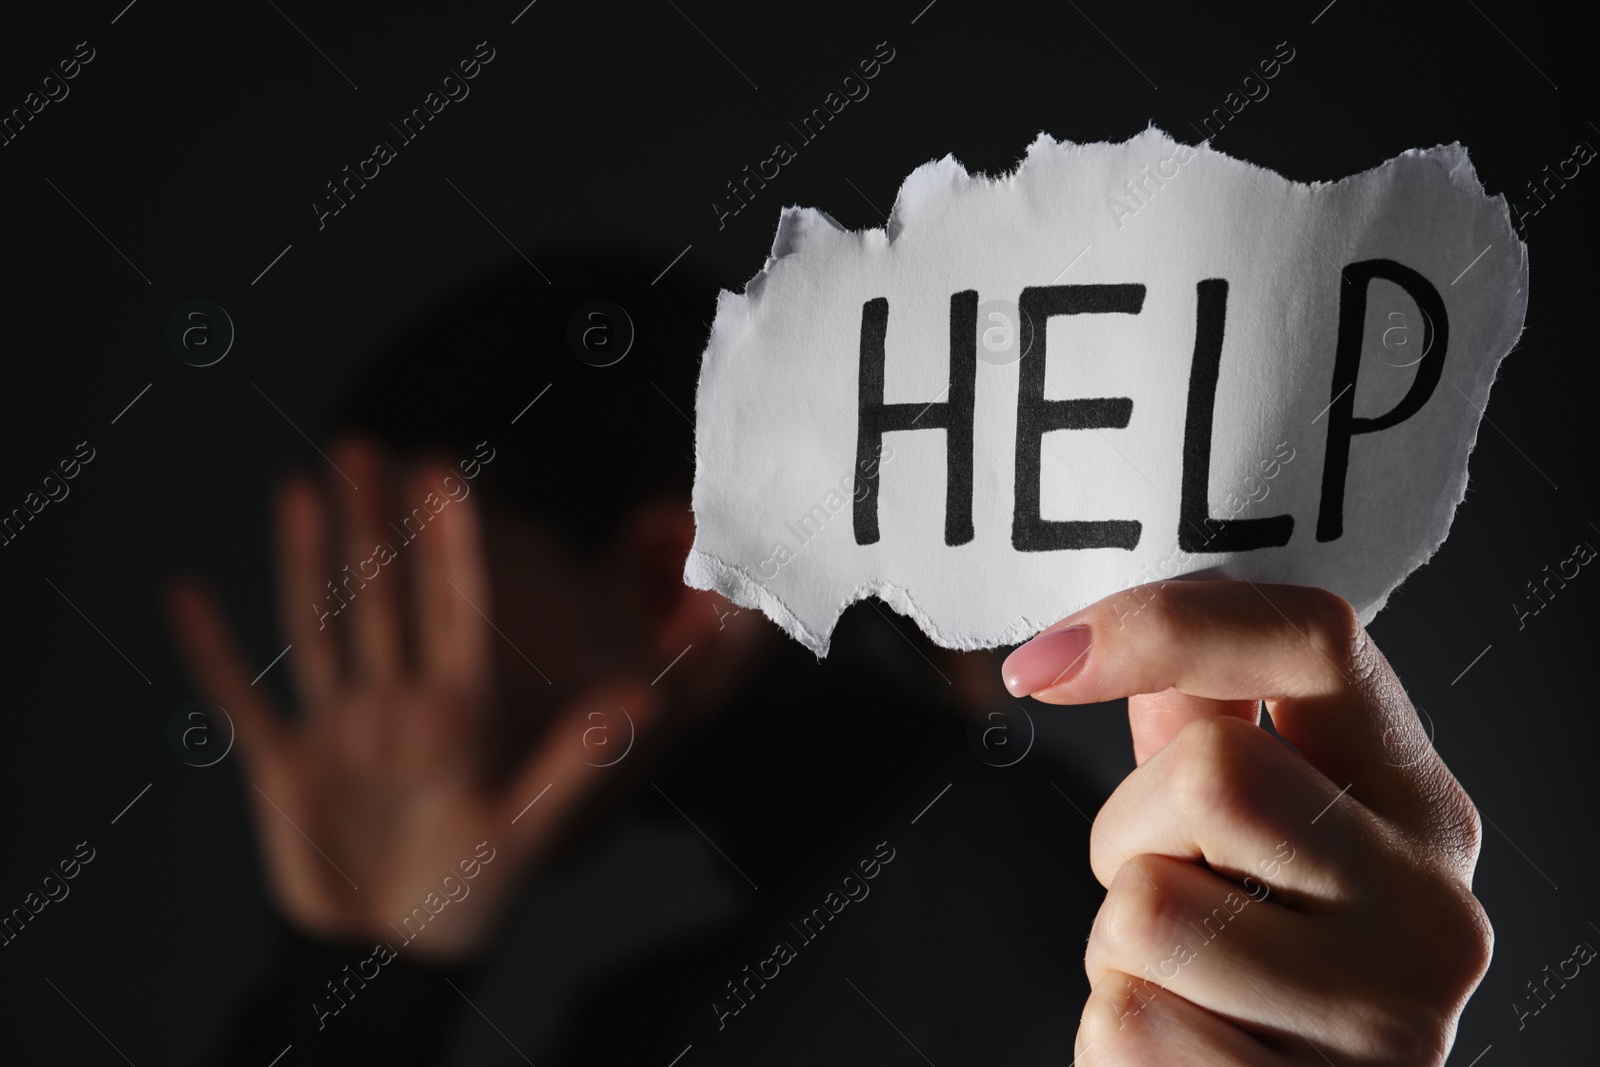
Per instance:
{"type": "Point", "coordinates": [1482, 941]}
{"type": "Point", "coordinates": [1136, 910]}
{"type": "Point", "coordinates": [1412, 1037]}
{"type": "Point", "coordinates": [1460, 825]}
{"type": "Point", "coordinates": [1110, 1022]}
{"type": "Point", "coordinates": [1335, 631]}
{"type": "Point", "coordinates": [1466, 946]}
{"type": "Point", "coordinates": [1478, 941]}
{"type": "Point", "coordinates": [1216, 771]}
{"type": "Point", "coordinates": [1449, 957]}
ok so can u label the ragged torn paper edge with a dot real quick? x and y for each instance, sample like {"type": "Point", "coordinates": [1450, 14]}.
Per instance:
{"type": "Point", "coordinates": [703, 570]}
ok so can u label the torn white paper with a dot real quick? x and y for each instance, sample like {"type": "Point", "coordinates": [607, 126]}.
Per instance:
{"type": "Point", "coordinates": [1120, 363]}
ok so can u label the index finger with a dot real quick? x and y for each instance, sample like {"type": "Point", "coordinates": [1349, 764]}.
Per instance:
{"type": "Point", "coordinates": [1330, 692]}
{"type": "Point", "coordinates": [215, 661]}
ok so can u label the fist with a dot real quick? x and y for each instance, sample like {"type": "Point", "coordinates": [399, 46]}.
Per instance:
{"type": "Point", "coordinates": [1266, 903]}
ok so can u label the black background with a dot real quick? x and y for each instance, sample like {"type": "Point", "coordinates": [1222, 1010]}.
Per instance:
{"type": "Point", "coordinates": [198, 136]}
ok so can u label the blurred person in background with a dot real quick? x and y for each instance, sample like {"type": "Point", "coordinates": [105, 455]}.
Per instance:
{"type": "Point", "coordinates": [537, 800]}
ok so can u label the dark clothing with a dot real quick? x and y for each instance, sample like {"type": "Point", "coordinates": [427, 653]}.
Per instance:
{"type": "Point", "coordinates": [827, 872]}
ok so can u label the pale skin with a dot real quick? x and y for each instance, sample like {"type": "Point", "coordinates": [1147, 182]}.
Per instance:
{"type": "Point", "coordinates": [1364, 945]}
{"type": "Point", "coordinates": [1348, 931]}
{"type": "Point", "coordinates": [384, 780]}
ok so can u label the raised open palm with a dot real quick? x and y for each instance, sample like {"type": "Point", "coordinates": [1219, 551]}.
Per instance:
{"type": "Point", "coordinates": [383, 784]}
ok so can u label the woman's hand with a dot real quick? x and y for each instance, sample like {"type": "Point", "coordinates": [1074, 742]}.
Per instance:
{"type": "Point", "coordinates": [380, 786]}
{"type": "Point", "coordinates": [1266, 905]}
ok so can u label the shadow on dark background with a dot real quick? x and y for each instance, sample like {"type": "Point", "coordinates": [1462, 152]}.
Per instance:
{"type": "Point", "coordinates": [183, 165]}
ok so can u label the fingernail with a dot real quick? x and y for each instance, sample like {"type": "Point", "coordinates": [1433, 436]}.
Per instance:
{"type": "Point", "coordinates": [1047, 660]}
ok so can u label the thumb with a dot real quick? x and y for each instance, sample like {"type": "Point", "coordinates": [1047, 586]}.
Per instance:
{"type": "Point", "coordinates": [577, 758]}
{"type": "Point", "coordinates": [1156, 718]}
{"type": "Point", "coordinates": [211, 653]}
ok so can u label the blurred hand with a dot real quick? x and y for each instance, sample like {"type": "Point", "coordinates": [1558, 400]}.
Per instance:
{"type": "Point", "coordinates": [380, 785]}
{"type": "Point", "coordinates": [1266, 906]}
